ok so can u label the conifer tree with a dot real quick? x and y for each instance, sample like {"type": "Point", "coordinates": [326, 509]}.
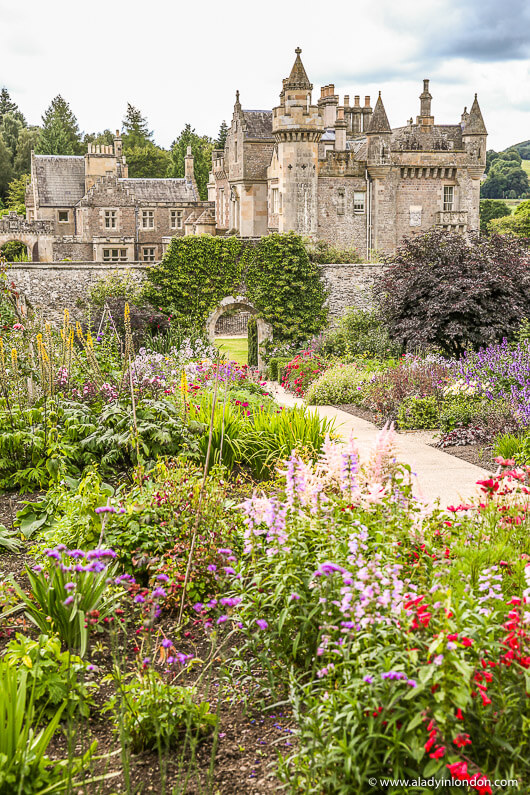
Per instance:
{"type": "Point", "coordinates": [6, 169]}
{"type": "Point", "coordinates": [10, 129]}
{"type": "Point", "coordinates": [60, 130]}
{"type": "Point", "coordinates": [135, 128]}
{"type": "Point", "coordinates": [145, 159]}
{"type": "Point", "coordinates": [28, 139]}
{"type": "Point", "coordinates": [222, 135]}
{"type": "Point", "coordinates": [201, 149]}
{"type": "Point", "coordinates": [8, 106]}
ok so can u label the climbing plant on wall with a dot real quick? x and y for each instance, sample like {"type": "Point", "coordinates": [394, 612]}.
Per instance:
{"type": "Point", "coordinates": [196, 273]}
{"type": "Point", "coordinates": [252, 334]}
{"type": "Point", "coordinates": [275, 275]}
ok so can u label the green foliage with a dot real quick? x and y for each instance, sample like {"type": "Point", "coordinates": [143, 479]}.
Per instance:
{"type": "Point", "coordinates": [516, 224]}
{"type": "Point", "coordinates": [7, 105]}
{"type": "Point", "coordinates": [324, 253]}
{"type": "Point", "coordinates": [16, 192]}
{"type": "Point", "coordinates": [509, 445]}
{"type": "Point", "coordinates": [156, 714]}
{"type": "Point", "coordinates": [24, 767]}
{"type": "Point", "coordinates": [286, 287]}
{"type": "Point", "coordinates": [117, 284]}
{"type": "Point", "coordinates": [275, 367]}
{"type": "Point", "coordinates": [6, 169]}
{"type": "Point", "coordinates": [458, 413]}
{"type": "Point", "coordinates": [299, 373]}
{"type": "Point", "coordinates": [504, 175]}
{"type": "Point", "coordinates": [201, 148]}
{"type": "Point", "coordinates": [418, 412]}
{"type": "Point", "coordinates": [252, 332]}
{"type": "Point", "coordinates": [60, 131]}
{"type": "Point", "coordinates": [10, 130]}
{"type": "Point", "coordinates": [222, 135]}
{"type": "Point", "coordinates": [360, 332]}
{"type": "Point", "coordinates": [144, 157]}
{"type": "Point", "coordinates": [338, 385]}
{"type": "Point", "coordinates": [489, 209]}
{"type": "Point", "coordinates": [65, 601]}
{"type": "Point", "coordinates": [15, 251]}
{"type": "Point", "coordinates": [56, 678]}
{"type": "Point", "coordinates": [195, 274]}
{"type": "Point", "coordinates": [27, 141]}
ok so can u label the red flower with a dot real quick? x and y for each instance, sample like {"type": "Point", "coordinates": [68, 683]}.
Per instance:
{"type": "Point", "coordinates": [461, 740]}
{"type": "Point", "coordinates": [439, 753]}
{"type": "Point", "coordinates": [429, 744]}
{"type": "Point", "coordinates": [458, 770]}
{"type": "Point", "coordinates": [459, 714]}
{"type": "Point", "coordinates": [467, 641]}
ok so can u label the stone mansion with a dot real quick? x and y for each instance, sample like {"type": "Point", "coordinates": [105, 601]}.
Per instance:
{"type": "Point", "coordinates": [339, 172]}
{"type": "Point", "coordinates": [330, 171]}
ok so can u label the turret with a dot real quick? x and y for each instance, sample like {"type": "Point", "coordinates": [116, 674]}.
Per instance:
{"type": "Point", "coordinates": [474, 136]}
{"type": "Point", "coordinates": [297, 126]}
{"type": "Point", "coordinates": [379, 134]}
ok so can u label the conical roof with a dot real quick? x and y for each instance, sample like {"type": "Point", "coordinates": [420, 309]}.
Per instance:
{"type": "Point", "coordinates": [379, 121]}
{"type": "Point", "coordinates": [298, 78]}
{"type": "Point", "coordinates": [475, 123]}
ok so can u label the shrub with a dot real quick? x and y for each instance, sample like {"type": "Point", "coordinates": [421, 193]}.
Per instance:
{"type": "Point", "coordinates": [489, 209]}
{"type": "Point", "coordinates": [360, 331]}
{"type": "Point", "coordinates": [418, 412]}
{"type": "Point", "coordinates": [145, 322]}
{"type": "Point", "coordinates": [157, 714]}
{"type": "Point", "coordinates": [119, 284]}
{"type": "Point", "coordinates": [252, 332]}
{"type": "Point", "coordinates": [455, 291]}
{"type": "Point", "coordinates": [299, 373]}
{"type": "Point", "coordinates": [458, 413]}
{"type": "Point", "coordinates": [323, 253]}
{"type": "Point", "coordinates": [387, 389]}
{"type": "Point", "coordinates": [276, 366]}
{"type": "Point", "coordinates": [508, 446]}
{"type": "Point", "coordinates": [337, 385]}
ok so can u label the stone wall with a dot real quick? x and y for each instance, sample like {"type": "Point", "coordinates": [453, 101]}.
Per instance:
{"type": "Point", "coordinates": [52, 287]}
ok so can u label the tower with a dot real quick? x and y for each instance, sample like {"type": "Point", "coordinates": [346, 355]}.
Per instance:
{"type": "Point", "coordinates": [474, 136]}
{"type": "Point", "coordinates": [379, 135]}
{"type": "Point", "coordinates": [297, 127]}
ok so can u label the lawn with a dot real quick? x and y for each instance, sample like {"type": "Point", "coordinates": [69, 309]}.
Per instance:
{"type": "Point", "coordinates": [235, 348]}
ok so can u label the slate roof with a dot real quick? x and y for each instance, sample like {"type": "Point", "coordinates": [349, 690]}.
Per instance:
{"type": "Point", "coordinates": [379, 121]}
{"type": "Point", "coordinates": [475, 123]}
{"type": "Point", "coordinates": [258, 124]}
{"type": "Point", "coordinates": [298, 77]}
{"type": "Point", "coordinates": [161, 190]}
{"type": "Point", "coordinates": [60, 179]}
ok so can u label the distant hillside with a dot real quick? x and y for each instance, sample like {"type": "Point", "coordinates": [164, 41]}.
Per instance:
{"type": "Point", "coordinates": [523, 148]}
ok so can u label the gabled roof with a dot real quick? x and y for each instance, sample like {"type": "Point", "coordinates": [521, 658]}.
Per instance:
{"type": "Point", "coordinates": [60, 179]}
{"type": "Point", "coordinates": [475, 123]}
{"type": "Point", "coordinates": [379, 121]}
{"type": "Point", "coordinates": [258, 123]}
{"type": "Point", "coordinates": [161, 190]}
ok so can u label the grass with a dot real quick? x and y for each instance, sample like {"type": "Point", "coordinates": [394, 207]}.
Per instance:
{"type": "Point", "coordinates": [235, 348]}
{"type": "Point", "coordinates": [526, 166]}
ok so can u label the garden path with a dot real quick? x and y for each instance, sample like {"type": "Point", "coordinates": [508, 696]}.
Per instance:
{"type": "Point", "coordinates": [438, 475]}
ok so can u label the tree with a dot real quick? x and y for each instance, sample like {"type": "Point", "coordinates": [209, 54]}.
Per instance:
{"type": "Point", "coordinates": [454, 291]}
{"type": "Point", "coordinates": [504, 174]}
{"type": "Point", "coordinates": [10, 130]}
{"type": "Point", "coordinates": [143, 156]}
{"type": "Point", "coordinates": [222, 135]}
{"type": "Point", "coordinates": [6, 169]}
{"type": "Point", "coordinates": [60, 130]}
{"type": "Point", "coordinates": [201, 148]}
{"type": "Point", "coordinates": [135, 128]}
{"type": "Point", "coordinates": [105, 138]}
{"type": "Point", "coordinates": [517, 224]}
{"type": "Point", "coordinates": [489, 208]}
{"type": "Point", "coordinates": [16, 192]}
{"type": "Point", "coordinates": [147, 161]}
{"type": "Point", "coordinates": [28, 140]}
{"type": "Point", "coordinates": [8, 106]}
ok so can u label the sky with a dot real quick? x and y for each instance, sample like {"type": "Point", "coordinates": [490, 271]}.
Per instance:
{"type": "Point", "coordinates": [181, 62]}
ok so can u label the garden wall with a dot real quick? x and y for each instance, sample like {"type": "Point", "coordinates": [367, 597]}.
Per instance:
{"type": "Point", "coordinates": [54, 286]}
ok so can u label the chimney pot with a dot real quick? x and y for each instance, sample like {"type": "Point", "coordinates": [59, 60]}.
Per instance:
{"type": "Point", "coordinates": [367, 102]}
{"type": "Point", "coordinates": [347, 100]}
{"type": "Point", "coordinates": [357, 101]}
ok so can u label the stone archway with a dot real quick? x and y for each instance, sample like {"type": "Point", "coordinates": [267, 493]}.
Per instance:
{"type": "Point", "coordinates": [37, 236]}
{"type": "Point", "coordinates": [231, 303]}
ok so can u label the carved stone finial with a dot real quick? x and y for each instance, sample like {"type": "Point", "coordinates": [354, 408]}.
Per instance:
{"type": "Point", "coordinates": [298, 50]}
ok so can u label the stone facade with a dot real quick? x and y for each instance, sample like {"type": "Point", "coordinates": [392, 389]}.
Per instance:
{"type": "Point", "coordinates": [52, 287]}
{"type": "Point", "coordinates": [87, 208]}
{"type": "Point", "coordinates": [342, 174]}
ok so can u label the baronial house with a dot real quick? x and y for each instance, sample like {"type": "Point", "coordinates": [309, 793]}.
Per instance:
{"type": "Point", "coordinates": [329, 171]}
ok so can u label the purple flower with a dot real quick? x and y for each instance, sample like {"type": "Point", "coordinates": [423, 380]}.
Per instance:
{"type": "Point", "coordinates": [438, 660]}
{"type": "Point", "coordinates": [139, 599]}
{"type": "Point", "coordinates": [68, 600]}
{"type": "Point", "coordinates": [69, 586]}
{"type": "Point", "coordinates": [159, 593]}
{"type": "Point", "coordinates": [166, 643]}
{"type": "Point", "coordinates": [106, 509]}
{"type": "Point", "coordinates": [262, 624]}
{"type": "Point", "coordinates": [222, 619]}
{"type": "Point", "coordinates": [225, 551]}
{"type": "Point", "coordinates": [212, 567]}
{"type": "Point", "coordinates": [294, 597]}
{"type": "Point", "coordinates": [162, 577]}
{"type": "Point", "coordinates": [230, 601]}
{"type": "Point", "coordinates": [412, 683]}
{"type": "Point", "coordinates": [368, 679]}
{"type": "Point", "coordinates": [198, 607]}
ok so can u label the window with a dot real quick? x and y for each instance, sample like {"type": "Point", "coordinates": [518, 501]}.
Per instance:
{"type": "Point", "coordinates": [149, 254]}
{"type": "Point", "coordinates": [340, 202]}
{"type": "Point", "coordinates": [114, 255]}
{"type": "Point", "coordinates": [148, 219]}
{"type": "Point", "coordinates": [63, 216]}
{"type": "Point", "coordinates": [111, 219]}
{"type": "Point", "coordinates": [275, 201]}
{"type": "Point", "coordinates": [176, 219]}
{"type": "Point", "coordinates": [449, 196]}
{"type": "Point", "coordinates": [359, 201]}
{"type": "Point", "coordinates": [235, 151]}
{"type": "Point", "coordinates": [221, 204]}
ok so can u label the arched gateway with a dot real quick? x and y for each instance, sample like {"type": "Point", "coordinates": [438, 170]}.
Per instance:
{"type": "Point", "coordinates": [36, 235]}
{"type": "Point", "coordinates": [233, 304]}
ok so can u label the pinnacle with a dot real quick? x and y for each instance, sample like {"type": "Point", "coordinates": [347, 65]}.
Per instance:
{"type": "Point", "coordinates": [298, 77]}
{"type": "Point", "coordinates": [379, 121]}
{"type": "Point", "coordinates": [475, 123]}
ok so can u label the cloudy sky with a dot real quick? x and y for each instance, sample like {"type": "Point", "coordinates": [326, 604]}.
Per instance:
{"type": "Point", "coordinates": [182, 61]}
